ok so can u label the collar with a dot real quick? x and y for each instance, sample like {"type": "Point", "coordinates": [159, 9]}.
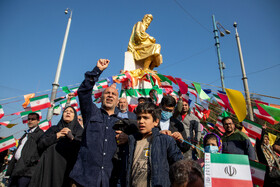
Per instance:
{"type": "Point", "coordinates": [116, 111]}
{"type": "Point", "coordinates": [31, 130]}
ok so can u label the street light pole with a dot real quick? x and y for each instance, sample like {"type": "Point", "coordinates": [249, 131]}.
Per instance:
{"type": "Point", "coordinates": [55, 84]}
{"type": "Point", "coordinates": [244, 77]}
{"type": "Point", "coordinates": [217, 44]}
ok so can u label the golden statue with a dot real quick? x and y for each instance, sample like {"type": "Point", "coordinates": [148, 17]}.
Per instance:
{"type": "Point", "coordinates": [143, 46]}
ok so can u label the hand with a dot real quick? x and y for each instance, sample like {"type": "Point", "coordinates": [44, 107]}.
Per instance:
{"type": "Point", "coordinates": [121, 137]}
{"type": "Point", "coordinates": [63, 132]}
{"type": "Point", "coordinates": [70, 96]}
{"type": "Point", "coordinates": [264, 126]}
{"type": "Point", "coordinates": [177, 136]}
{"type": "Point", "coordinates": [167, 132]}
{"type": "Point", "coordinates": [102, 64]}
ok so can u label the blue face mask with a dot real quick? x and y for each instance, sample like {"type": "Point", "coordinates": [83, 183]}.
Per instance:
{"type": "Point", "coordinates": [211, 149]}
{"type": "Point", "coordinates": [166, 115]}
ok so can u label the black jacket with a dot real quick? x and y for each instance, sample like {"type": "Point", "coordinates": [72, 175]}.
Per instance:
{"type": "Point", "coordinates": [25, 166]}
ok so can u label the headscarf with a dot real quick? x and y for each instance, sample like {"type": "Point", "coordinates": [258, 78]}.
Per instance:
{"type": "Point", "coordinates": [219, 140]}
{"type": "Point", "coordinates": [74, 125]}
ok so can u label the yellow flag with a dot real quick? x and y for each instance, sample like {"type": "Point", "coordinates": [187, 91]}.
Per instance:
{"type": "Point", "coordinates": [27, 97]}
{"type": "Point", "coordinates": [238, 103]}
{"type": "Point", "coordinates": [272, 138]}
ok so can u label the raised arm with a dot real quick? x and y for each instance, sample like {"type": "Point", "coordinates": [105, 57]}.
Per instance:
{"type": "Point", "coordinates": [85, 90]}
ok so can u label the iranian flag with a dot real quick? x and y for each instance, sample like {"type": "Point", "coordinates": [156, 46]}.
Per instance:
{"type": "Point", "coordinates": [228, 170]}
{"type": "Point", "coordinates": [220, 102]}
{"type": "Point", "coordinates": [1, 111]}
{"type": "Point", "coordinates": [7, 143]}
{"type": "Point", "coordinates": [97, 91]}
{"type": "Point", "coordinates": [24, 115]}
{"type": "Point", "coordinates": [257, 172]}
{"type": "Point", "coordinates": [185, 97]}
{"type": "Point", "coordinates": [254, 130]}
{"type": "Point", "coordinates": [192, 91]}
{"type": "Point", "coordinates": [197, 113]}
{"type": "Point", "coordinates": [199, 107]}
{"type": "Point", "coordinates": [165, 82]}
{"type": "Point", "coordinates": [45, 125]}
{"type": "Point", "coordinates": [253, 141]}
{"type": "Point", "coordinates": [73, 103]}
{"type": "Point", "coordinates": [75, 90]}
{"type": "Point", "coordinates": [120, 78]}
{"type": "Point", "coordinates": [103, 83]}
{"type": "Point", "coordinates": [219, 124]}
{"type": "Point", "coordinates": [39, 103]}
{"type": "Point", "coordinates": [267, 118]}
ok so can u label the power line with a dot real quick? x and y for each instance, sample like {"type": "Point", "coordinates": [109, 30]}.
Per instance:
{"type": "Point", "coordinates": [192, 17]}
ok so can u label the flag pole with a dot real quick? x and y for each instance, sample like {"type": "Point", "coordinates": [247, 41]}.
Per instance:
{"type": "Point", "coordinates": [55, 84]}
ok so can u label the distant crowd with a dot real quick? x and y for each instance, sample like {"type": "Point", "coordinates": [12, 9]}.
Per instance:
{"type": "Point", "coordinates": [158, 144]}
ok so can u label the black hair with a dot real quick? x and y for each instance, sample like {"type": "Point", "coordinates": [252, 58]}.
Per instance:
{"type": "Point", "coordinates": [35, 114]}
{"type": "Point", "coordinates": [226, 118]}
{"type": "Point", "coordinates": [185, 171]}
{"type": "Point", "coordinates": [149, 108]}
{"type": "Point", "coordinates": [208, 137]}
{"type": "Point", "coordinates": [168, 101]}
{"type": "Point", "coordinates": [141, 98]}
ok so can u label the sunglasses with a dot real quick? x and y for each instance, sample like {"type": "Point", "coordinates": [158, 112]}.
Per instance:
{"type": "Point", "coordinates": [32, 119]}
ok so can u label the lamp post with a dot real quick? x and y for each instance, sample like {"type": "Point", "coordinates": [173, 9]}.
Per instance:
{"type": "Point", "coordinates": [217, 26]}
{"type": "Point", "coordinates": [55, 84]}
{"type": "Point", "coordinates": [244, 77]}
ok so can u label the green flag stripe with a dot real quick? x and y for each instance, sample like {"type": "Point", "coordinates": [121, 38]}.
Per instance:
{"type": "Point", "coordinates": [37, 98]}
{"type": "Point", "coordinates": [6, 139]}
{"type": "Point", "coordinates": [230, 159]}
{"type": "Point", "coordinates": [253, 123]}
{"type": "Point", "coordinates": [257, 165]}
{"type": "Point", "coordinates": [30, 111]}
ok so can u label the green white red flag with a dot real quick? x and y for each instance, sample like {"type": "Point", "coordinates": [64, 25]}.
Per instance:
{"type": "Point", "coordinates": [45, 125]}
{"type": "Point", "coordinates": [1, 111]}
{"type": "Point", "coordinates": [219, 124]}
{"type": "Point", "coordinates": [199, 107]}
{"type": "Point", "coordinates": [185, 97]}
{"type": "Point", "coordinates": [258, 172]}
{"type": "Point", "coordinates": [165, 82]}
{"type": "Point", "coordinates": [24, 115]}
{"type": "Point", "coordinates": [197, 113]}
{"type": "Point", "coordinates": [75, 90]}
{"type": "Point", "coordinates": [267, 118]}
{"type": "Point", "coordinates": [252, 140]}
{"type": "Point", "coordinates": [65, 89]}
{"type": "Point", "coordinates": [228, 170]}
{"type": "Point", "coordinates": [254, 130]}
{"type": "Point", "coordinates": [220, 101]}
{"type": "Point", "coordinates": [192, 91]}
{"type": "Point", "coordinates": [39, 103]}
{"type": "Point", "coordinates": [7, 143]}
{"type": "Point", "coordinates": [73, 103]}
{"type": "Point", "coordinates": [224, 98]}
{"type": "Point", "coordinates": [103, 83]}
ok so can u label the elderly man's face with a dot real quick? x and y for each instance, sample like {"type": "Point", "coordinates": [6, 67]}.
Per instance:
{"type": "Point", "coordinates": [109, 98]}
{"type": "Point", "coordinates": [123, 104]}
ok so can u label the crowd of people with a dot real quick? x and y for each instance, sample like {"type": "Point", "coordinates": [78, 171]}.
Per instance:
{"type": "Point", "coordinates": [155, 145]}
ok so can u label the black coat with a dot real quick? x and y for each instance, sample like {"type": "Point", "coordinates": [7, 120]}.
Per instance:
{"type": "Point", "coordinates": [59, 155]}
{"type": "Point", "coordinates": [25, 166]}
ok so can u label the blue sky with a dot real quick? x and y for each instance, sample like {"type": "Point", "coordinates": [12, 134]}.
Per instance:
{"type": "Point", "coordinates": [32, 33]}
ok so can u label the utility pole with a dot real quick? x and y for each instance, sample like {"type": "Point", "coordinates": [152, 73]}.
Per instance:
{"type": "Point", "coordinates": [244, 77]}
{"type": "Point", "coordinates": [55, 84]}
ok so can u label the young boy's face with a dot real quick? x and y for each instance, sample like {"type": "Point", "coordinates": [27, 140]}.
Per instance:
{"type": "Point", "coordinates": [145, 123]}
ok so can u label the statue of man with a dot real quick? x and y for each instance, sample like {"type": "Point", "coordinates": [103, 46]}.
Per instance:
{"type": "Point", "coordinates": [143, 46]}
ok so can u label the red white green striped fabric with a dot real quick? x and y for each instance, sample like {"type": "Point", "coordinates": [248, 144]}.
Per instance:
{"type": "Point", "coordinates": [165, 82]}
{"type": "Point", "coordinates": [39, 103]}
{"type": "Point", "coordinates": [1, 111]}
{"type": "Point", "coordinates": [192, 91]}
{"type": "Point", "coordinates": [45, 125]}
{"type": "Point", "coordinates": [254, 130]}
{"type": "Point", "coordinates": [267, 118]}
{"type": "Point", "coordinates": [199, 107]}
{"type": "Point", "coordinates": [185, 97]}
{"type": "Point", "coordinates": [103, 83]}
{"type": "Point", "coordinates": [219, 124]}
{"type": "Point", "coordinates": [228, 170]}
{"type": "Point", "coordinates": [24, 115]}
{"type": "Point", "coordinates": [258, 172]}
{"type": "Point", "coordinates": [252, 140]}
{"type": "Point", "coordinates": [75, 90]}
{"type": "Point", "coordinates": [73, 103]}
{"type": "Point", "coordinates": [7, 143]}
{"type": "Point", "coordinates": [198, 114]}
{"type": "Point", "coordinates": [219, 100]}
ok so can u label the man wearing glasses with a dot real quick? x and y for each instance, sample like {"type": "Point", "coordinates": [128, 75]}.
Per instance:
{"type": "Point", "coordinates": [235, 141]}
{"type": "Point", "coordinates": [26, 157]}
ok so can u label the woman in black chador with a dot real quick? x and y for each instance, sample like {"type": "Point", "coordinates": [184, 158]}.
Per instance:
{"type": "Point", "coordinates": [60, 145]}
